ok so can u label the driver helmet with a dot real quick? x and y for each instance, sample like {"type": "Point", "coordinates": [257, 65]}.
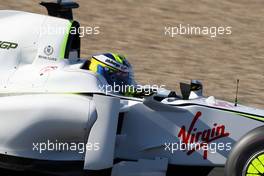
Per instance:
{"type": "Point", "coordinates": [113, 67]}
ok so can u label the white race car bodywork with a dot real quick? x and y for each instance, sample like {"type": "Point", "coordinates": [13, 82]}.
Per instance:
{"type": "Point", "coordinates": [47, 98]}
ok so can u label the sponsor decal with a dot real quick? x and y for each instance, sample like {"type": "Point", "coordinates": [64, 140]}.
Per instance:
{"type": "Point", "coordinates": [117, 65]}
{"type": "Point", "coordinates": [8, 45]}
{"type": "Point", "coordinates": [47, 69]}
{"type": "Point", "coordinates": [47, 58]}
{"type": "Point", "coordinates": [111, 63]}
{"type": "Point", "coordinates": [48, 50]}
{"type": "Point", "coordinates": [201, 137]}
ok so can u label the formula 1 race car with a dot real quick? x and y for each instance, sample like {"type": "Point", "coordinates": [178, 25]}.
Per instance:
{"type": "Point", "coordinates": [54, 113]}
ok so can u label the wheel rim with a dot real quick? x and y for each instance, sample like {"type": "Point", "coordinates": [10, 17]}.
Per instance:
{"type": "Point", "coordinates": [255, 165]}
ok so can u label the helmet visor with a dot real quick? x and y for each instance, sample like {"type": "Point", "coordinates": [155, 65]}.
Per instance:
{"type": "Point", "coordinates": [117, 78]}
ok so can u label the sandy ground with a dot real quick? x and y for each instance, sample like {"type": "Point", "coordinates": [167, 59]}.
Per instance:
{"type": "Point", "coordinates": [135, 28]}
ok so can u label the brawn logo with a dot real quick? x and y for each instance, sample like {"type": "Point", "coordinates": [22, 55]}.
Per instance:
{"type": "Point", "coordinates": [8, 45]}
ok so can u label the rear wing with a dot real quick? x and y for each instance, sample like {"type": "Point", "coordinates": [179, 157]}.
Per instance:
{"type": "Point", "coordinates": [61, 8]}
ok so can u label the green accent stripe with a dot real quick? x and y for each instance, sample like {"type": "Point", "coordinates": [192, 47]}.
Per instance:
{"type": "Point", "coordinates": [251, 116]}
{"type": "Point", "coordinates": [65, 40]}
{"type": "Point", "coordinates": [254, 117]}
{"type": "Point", "coordinates": [117, 58]}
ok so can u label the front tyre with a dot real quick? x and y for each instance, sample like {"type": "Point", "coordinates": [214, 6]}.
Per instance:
{"type": "Point", "coordinates": [247, 156]}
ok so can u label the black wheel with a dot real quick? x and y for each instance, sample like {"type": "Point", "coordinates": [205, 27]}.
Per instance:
{"type": "Point", "coordinates": [247, 156]}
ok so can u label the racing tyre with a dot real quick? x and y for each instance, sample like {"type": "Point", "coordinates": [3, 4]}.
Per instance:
{"type": "Point", "coordinates": [247, 156]}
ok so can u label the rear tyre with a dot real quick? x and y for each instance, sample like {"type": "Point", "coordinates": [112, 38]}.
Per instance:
{"type": "Point", "coordinates": [247, 156]}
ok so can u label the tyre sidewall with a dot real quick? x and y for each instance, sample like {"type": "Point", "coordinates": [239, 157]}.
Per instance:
{"type": "Point", "coordinates": [246, 148]}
